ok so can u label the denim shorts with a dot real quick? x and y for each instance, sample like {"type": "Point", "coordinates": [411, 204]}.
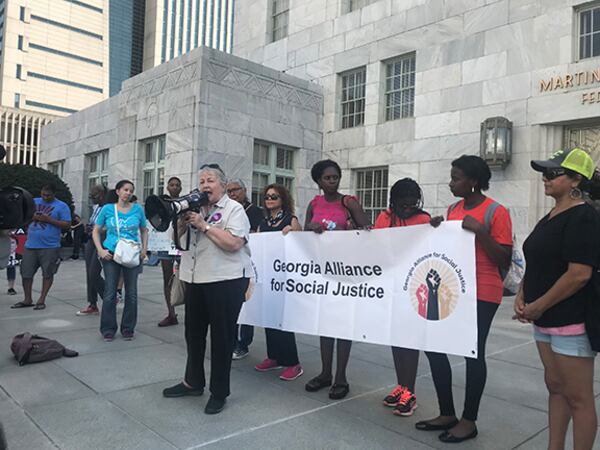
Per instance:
{"type": "Point", "coordinates": [578, 345]}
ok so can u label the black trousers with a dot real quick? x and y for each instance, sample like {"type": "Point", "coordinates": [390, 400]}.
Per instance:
{"type": "Point", "coordinates": [93, 272]}
{"type": "Point", "coordinates": [476, 369]}
{"type": "Point", "coordinates": [244, 335]}
{"type": "Point", "coordinates": [216, 305]}
{"type": "Point", "coordinates": [281, 346]}
{"type": "Point", "coordinates": [78, 236]}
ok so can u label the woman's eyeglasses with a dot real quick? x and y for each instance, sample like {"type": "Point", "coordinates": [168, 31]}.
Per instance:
{"type": "Point", "coordinates": [272, 197]}
{"type": "Point", "coordinates": [551, 174]}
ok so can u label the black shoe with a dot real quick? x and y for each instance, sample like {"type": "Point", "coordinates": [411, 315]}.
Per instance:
{"type": "Point", "coordinates": [339, 391]}
{"type": "Point", "coordinates": [214, 406]}
{"type": "Point", "coordinates": [449, 438]}
{"type": "Point", "coordinates": [239, 353]}
{"type": "Point", "coordinates": [424, 425]}
{"type": "Point", "coordinates": [317, 384]}
{"type": "Point", "coordinates": [11, 291]}
{"type": "Point", "coordinates": [181, 390]}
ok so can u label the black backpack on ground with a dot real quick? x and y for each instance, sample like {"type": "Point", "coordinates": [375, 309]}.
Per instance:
{"type": "Point", "coordinates": [31, 348]}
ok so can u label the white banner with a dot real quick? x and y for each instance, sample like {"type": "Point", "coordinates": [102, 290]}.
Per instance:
{"type": "Point", "coordinates": [410, 287]}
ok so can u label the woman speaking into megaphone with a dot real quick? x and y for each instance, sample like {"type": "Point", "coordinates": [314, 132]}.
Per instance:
{"type": "Point", "coordinates": [216, 271]}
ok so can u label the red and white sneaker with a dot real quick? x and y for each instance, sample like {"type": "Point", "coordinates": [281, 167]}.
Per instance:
{"type": "Point", "coordinates": [88, 311]}
{"type": "Point", "coordinates": [266, 365]}
{"type": "Point", "coordinates": [393, 397]}
{"type": "Point", "coordinates": [291, 373]}
{"type": "Point", "coordinates": [406, 405]}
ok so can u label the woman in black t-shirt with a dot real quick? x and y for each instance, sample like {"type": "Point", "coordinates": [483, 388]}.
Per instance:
{"type": "Point", "coordinates": [561, 253]}
{"type": "Point", "coordinates": [281, 345]}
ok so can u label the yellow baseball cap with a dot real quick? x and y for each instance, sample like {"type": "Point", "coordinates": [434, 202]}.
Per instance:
{"type": "Point", "coordinates": [576, 159]}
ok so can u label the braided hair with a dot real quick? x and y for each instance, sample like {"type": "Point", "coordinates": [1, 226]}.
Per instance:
{"type": "Point", "coordinates": [405, 188]}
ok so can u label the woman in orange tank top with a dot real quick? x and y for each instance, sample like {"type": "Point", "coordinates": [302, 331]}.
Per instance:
{"type": "Point", "coordinates": [470, 175]}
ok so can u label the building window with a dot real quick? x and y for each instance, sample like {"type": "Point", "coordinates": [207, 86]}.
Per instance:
{"type": "Point", "coordinates": [353, 5]}
{"type": "Point", "coordinates": [400, 88]}
{"type": "Point", "coordinates": [371, 190]}
{"type": "Point", "coordinates": [589, 32]}
{"type": "Point", "coordinates": [22, 14]}
{"type": "Point", "coordinates": [97, 164]}
{"type": "Point", "coordinates": [154, 166]}
{"type": "Point", "coordinates": [163, 50]}
{"type": "Point", "coordinates": [353, 97]}
{"type": "Point", "coordinates": [17, 100]}
{"type": "Point", "coordinates": [65, 54]}
{"type": "Point", "coordinates": [19, 71]}
{"type": "Point", "coordinates": [41, 76]}
{"type": "Point", "coordinates": [280, 15]}
{"type": "Point", "coordinates": [20, 42]}
{"type": "Point", "coordinates": [173, 18]}
{"type": "Point", "coordinates": [50, 107]}
{"type": "Point", "coordinates": [85, 5]}
{"type": "Point", "coordinates": [66, 27]}
{"type": "Point", "coordinates": [57, 168]}
{"type": "Point", "coordinates": [272, 163]}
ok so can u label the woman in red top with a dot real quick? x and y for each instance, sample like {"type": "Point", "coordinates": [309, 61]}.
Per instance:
{"type": "Point", "coordinates": [332, 211]}
{"type": "Point", "coordinates": [406, 203]}
{"type": "Point", "coordinates": [470, 175]}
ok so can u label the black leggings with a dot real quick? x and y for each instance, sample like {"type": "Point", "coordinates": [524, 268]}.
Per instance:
{"type": "Point", "coordinates": [476, 369]}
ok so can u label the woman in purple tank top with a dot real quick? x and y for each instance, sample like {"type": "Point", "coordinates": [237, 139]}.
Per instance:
{"type": "Point", "coordinates": [328, 212]}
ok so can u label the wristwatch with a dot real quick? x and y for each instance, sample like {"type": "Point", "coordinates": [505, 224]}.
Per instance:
{"type": "Point", "coordinates": [206, 228]}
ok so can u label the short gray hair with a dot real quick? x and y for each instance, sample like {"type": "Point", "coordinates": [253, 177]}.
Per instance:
{"type": "Point", "coordinates": [218, 172]}
{"type": "Point", "coordinates": [237, 181]}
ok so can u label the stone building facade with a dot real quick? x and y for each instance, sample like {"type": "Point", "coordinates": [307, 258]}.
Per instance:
{"type": "Point", "coordinates": [203, 107]}
{"type": "Point", "coordinates": [407, 83]}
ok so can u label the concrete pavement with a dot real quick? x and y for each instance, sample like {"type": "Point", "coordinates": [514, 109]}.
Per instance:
{"type": "Point", "coordinates": [110, 396]}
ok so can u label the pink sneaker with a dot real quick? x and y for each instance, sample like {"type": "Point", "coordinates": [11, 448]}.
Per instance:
{"type": "Point", "coordinates": [291, 373]}
{"type": "Point", "coordinates": [266, 365]}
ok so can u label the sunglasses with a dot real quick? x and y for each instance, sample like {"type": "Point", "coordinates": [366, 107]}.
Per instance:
{"type": "Point", "coordinates": [212, 166]}
{"type": "Point", "coordinates": [232, 190]}
{"type": "Point", "coordinates": [551, 174]}
{"type": "Point", "coordinates": [272, 197]}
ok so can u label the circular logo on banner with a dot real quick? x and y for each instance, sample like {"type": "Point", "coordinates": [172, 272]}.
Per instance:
{"type": "Point", "coordinates": [433, 286]}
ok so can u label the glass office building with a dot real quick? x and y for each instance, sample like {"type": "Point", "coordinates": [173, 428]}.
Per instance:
{"type": "Point", "coordinates": [126, 41]}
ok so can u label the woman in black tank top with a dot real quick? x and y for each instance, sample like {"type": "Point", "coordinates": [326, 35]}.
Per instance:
{"type": "Point", "coordinates": [281, 345]}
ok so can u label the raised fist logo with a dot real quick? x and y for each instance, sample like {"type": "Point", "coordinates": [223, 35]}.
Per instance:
{"type": "Point", "coordinates": [434, 289]}
{"type": "Point", "coordinates": [422, 293]}
{"type": "Point", "coordinates": [433, 281]}
{"type": "Point", "coordinates": [446, 296]}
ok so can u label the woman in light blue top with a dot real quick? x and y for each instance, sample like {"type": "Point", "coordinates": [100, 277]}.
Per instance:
{"type": "Point", "coordinates": [132, 226]}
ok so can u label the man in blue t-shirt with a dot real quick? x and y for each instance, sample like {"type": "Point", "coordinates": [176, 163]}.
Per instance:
{"type": "Point", "coordinates": [42, 248]}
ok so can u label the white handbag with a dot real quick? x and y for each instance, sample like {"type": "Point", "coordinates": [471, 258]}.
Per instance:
{"type": "Point", "coordinates": [127, 252]}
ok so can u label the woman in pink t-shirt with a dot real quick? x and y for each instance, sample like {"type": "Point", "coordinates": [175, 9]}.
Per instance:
{"type": "Point", "coordinates": [328, 212]}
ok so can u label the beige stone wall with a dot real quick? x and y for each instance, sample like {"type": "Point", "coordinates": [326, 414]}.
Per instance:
{"type": "Point", "coordinates": [210, 106]}
{"type": "Point", "coordinates": [474, 59]}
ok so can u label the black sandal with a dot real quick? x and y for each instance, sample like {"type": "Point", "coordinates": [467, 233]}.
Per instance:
{"type": "Point", "coordinates": [425, 425]}
{"type": "Point", "coordinates": [317, 384]}
{"type": "Point", "coordinates": [21, 305]}
{"type": "Point", "coordinates": [339, 391]}
{"type": "Point", "coordinates": [449, 438]}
